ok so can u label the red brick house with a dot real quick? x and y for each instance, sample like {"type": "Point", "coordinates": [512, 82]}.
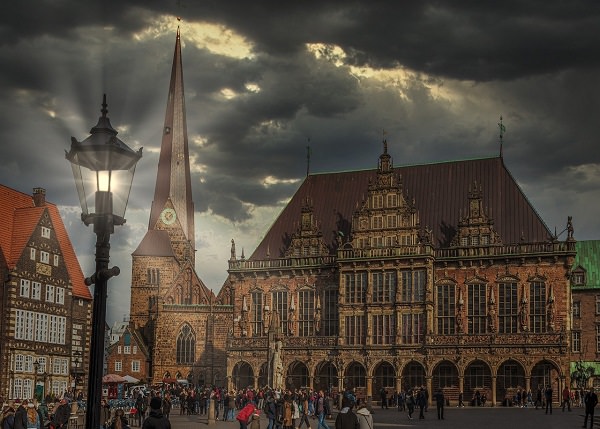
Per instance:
{"type": "Point", "coordinates": [45, 305]}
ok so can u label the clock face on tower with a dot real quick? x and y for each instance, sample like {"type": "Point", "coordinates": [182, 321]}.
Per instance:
{"type": "Point", "coordinates": [168, 216]}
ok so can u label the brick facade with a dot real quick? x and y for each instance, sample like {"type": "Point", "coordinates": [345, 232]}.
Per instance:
{"type": "Point", "coordinates": [46, 307]}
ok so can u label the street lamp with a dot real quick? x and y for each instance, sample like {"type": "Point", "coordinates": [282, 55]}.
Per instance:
{"type": "Point", "coordinates": [36, 367]}
{"type": "Point", "coordinates": [103, 168]}
{"type": "Point", "coordinates": [75, 374]}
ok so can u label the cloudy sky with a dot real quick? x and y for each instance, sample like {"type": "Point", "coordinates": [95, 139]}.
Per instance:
{"type": "Point", "coordinates": [262, 78]}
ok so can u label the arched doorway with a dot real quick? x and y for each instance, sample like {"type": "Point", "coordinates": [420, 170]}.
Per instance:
{"type": "Point", "coordinates": [384, 377]}
{"type": "Point", "coordinates": [326, 378]}
{"type": "Point", "coordinates": [543, 375]}
{"type": "Point", "coordinates": [297, 376]}
{"type": "Point", "coordinates": [445, 377]}
{"type": "Point", "coordinates": [413, 376]}
{"type": "Point", "coordinates": [355, 376]}
{"type": "Point", "coordinates": [510, 378]}
{"type": "Point", "coordinates": [263, 375]}
{"type": "Point", "coordinates": [478, 383]}
{"type": "Point", "coordinates": [243, 376]}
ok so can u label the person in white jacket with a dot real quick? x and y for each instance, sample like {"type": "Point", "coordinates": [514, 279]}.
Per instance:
{"type": "Point", "coordinates": [365, 419]}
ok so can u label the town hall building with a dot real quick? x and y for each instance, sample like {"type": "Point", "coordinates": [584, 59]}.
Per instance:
{"type": "Point", "coordinates": [438, 275]}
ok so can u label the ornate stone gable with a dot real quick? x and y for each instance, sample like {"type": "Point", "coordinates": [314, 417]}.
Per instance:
{"type": "Point", "coordinates": [476, 227]}
{"type": "Point", "coordinates": [386, 217]}
{"type": "Point", "coordinates": [308, 238]}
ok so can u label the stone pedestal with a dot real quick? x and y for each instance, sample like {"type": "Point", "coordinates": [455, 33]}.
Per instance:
{"type": "Point", "coordinates": [211, 412]}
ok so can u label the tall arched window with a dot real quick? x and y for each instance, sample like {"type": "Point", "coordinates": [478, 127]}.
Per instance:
{"type": "Point", "coordinates": [257, 314]}
{"type": "Point", "coordinates": [186, 345]}
{"type": "Point", "coordinates": [537, 306]}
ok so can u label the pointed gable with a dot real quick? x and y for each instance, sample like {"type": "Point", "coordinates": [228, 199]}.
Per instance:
{"type": "Point", "coordinates": [25, 222]}
{"type": "Point", "coordinates": [439, 192]}
{"type": "Point", "coordinates": [20, 217]}
{"type": "Point", "coordinates": [10, 200]}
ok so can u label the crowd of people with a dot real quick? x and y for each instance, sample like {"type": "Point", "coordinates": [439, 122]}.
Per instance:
{"type": "Point", "coordinates": [29, 414]}
{"type": "Point", "coordinates": [287, 409]}
{"type": "Point", "coordinates": [283, 409]}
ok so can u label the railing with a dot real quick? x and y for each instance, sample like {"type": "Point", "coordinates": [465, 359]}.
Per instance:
{"type": "Point", "coordinates": [245, 264]}
{"type": "Point", "coordinates": [255, 343]}
{"type": "Point", "coordinates": [531, 339]}
{"type": "Point", "coordinates": [525, 339]}
{"type": "Point", "coordinates": [489, 251]}
{"type": "Point", "coordinates": [505, 250]}
{"type": "Point", "coordinates": [385, 252]}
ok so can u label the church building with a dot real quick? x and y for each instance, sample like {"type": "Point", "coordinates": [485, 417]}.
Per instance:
{"type": "Point", "coordinates": [170, 305]}
{"type": "Point", "coordinates": [437, 275]}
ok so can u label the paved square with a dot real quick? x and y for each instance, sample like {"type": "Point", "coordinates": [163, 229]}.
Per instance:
{"type": "Point", "coordinates": [455, 418]}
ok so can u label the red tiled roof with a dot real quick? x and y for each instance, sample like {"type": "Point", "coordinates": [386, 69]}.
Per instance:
{"type": "Point", "coordinates": [440, 192]}
{"type": "Point", "coordinates": [19, 218]}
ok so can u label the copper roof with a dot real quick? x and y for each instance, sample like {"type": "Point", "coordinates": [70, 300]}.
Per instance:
{"type": "Point", "coordinates": [440, 191]}
{"type": "Point", "coordinates": [20, 217]}
{"type": "Point", "coordinates": [155, 243]}
{"type": "Point", "coordinates": [588, 258]}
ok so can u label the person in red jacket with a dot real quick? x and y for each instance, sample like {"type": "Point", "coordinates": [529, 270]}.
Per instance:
{"type": "Point", "coordinates": [245, 415]}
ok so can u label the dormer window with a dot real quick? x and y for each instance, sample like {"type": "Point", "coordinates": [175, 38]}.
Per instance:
{"type": "Point", "coordinates": [578, 277]}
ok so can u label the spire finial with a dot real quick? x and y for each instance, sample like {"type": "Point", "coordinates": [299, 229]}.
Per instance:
{"type": "Point", "coordinates": [308, 157]}
{"type": "Point", "coordinates": [502, 131]}
{"type": "Point", "coordinates": [104, 106]}
{"type": "Point", "coordinates": [384, 141]}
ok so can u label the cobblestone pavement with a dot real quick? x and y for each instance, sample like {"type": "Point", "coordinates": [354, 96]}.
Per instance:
{"type": "Point", "coordinates": [454, 418]}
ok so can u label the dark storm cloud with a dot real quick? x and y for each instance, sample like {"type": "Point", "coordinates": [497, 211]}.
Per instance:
{"type": "Point", "coordinates": [453, 69]}
{"type": "Point", "coordinates": [459, 39]}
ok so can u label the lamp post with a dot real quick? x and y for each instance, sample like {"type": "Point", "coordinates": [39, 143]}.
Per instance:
{"type": "Point", "coordinates": [36, 367]}
{"type": "Point", "coordinates": [103, 167]}
{"type": "Point", "coordinates": [75, 374]}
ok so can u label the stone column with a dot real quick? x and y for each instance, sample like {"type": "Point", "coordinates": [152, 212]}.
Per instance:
{"type": "Point", "coordinates": [429, 383]}
{"type": "Point", "coordinates": [528, 385]}
{"type": "Point", "coordinates": [494, 391]}
{"type": "Point", "coordinates": [369, 390]}
{"type": "Point", "coordinates": [211, 411]}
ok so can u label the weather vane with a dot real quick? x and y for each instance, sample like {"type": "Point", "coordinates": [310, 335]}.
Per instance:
{"type": "Point", "coordinates": [308, 157]}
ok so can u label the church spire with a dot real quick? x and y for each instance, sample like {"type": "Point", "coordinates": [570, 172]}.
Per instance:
{"type": "Point", "coordinates": [173, 181]}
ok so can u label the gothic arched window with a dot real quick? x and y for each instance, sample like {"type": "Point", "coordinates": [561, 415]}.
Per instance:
{"type": "Point", "coordinates": [186, 345]}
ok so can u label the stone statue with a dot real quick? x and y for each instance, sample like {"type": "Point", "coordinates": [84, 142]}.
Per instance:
{"type": "Point", "coordinates": [492, 318]}
{"type": "Point", "coordinates": [233, 257]}
{"type": "Point", "coordinates": [275, 321]}
{"type": "Point", "coordinates": [459, 320]}
{"type": "Point", "coordinates": [266, 319]}
{"type": "Point", "coordinates": [550, 315]}
{"type": "Point", "coordinates": [570, 229]}
{"type": "Point", "coordinates": [292, 321]}
{"type": "Point", "coordinates": [523, 316]}
{"type": "Point", "coordinates": [318, 320]}
{"type": "Point", "coordinates": [245, 324]}
{"type": "Point", "coordinates": [277, 365]}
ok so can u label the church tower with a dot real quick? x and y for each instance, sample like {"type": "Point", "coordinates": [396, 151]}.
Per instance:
{"type": "Point", "coordinates": [170, 305]}
{"type": "Point", "coordinates": [172, 204]}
